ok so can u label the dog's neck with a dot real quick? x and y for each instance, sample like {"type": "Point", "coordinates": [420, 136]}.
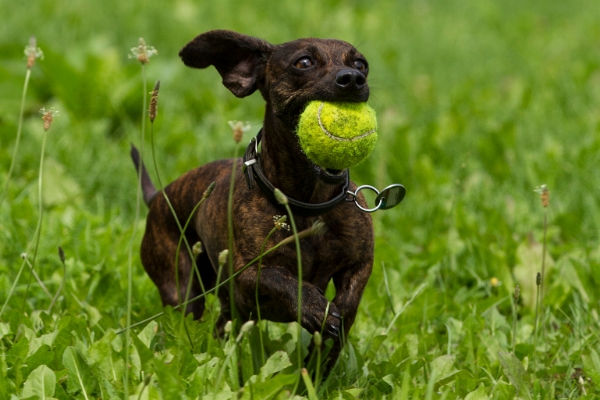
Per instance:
{"type": "Point", "coordinates": [287, 167]}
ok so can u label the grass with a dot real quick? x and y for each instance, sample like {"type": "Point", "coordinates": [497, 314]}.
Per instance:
{"type": "Point", "coordinates": [478, 102]}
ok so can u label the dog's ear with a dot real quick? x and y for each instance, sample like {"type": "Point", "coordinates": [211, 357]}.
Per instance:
{"type": "Point", "coordinates": [241, 60]}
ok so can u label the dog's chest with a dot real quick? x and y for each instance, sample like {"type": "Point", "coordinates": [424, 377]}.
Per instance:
{"type": "Point", "coordinates": [322, 257]}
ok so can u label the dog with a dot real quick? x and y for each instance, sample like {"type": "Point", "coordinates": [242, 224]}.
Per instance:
{"type": "Point", "coordinates": [287, 76]}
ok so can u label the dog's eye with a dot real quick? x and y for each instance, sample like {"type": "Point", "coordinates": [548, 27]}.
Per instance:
{"type": "Point", "coordinates": [360, 65]}
{"type": "Point", "coordinates": [303, 63]}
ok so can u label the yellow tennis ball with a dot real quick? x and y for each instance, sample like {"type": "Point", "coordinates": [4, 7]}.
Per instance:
{"type": "Point", "coordinates": [337, 135]}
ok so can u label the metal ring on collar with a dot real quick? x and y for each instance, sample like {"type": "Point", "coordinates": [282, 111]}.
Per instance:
{"type": "Point", "coordinates": [355, 198]}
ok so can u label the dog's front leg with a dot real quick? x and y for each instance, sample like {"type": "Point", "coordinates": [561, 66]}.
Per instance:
{"type": "Point", "coordinates": [349, 286]}
{"type": "Point", "coordinates": [278, 300]}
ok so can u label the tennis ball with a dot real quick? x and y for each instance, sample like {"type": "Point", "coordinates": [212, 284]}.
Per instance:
{"type": "Point", "coordinates": [337, 135]}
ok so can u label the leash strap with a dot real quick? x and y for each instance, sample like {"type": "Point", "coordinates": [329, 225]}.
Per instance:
{"type": "Point", "coordinates": [254, 172]}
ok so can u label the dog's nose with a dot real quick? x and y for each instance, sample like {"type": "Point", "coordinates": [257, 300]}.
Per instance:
{"type": "Point", "coordinates": [350, 79]}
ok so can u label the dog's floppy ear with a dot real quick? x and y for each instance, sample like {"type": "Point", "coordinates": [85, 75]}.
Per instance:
{"type": "Point", "coordinates": [241, 60]}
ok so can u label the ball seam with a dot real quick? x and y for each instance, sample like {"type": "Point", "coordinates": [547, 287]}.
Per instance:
{"type": "Point", "coordinates": [334, 137]}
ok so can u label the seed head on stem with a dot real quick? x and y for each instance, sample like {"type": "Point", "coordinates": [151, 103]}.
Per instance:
{"type": "Point", "coordinates": [48, 117]}
{"type": "Point", "coordinates": [247, 327]}
{"type": "Point", "coordinates": [317, 338]}
{"type": "Point", "coordinates": [208, 190]}
{"type": "Point", "coordinates": [239, 128]}
{"type": "Point", "coordinates": [32, 52]}
{"type": "Point", "coordinates": [197, 249]}
{"type": "Point", "coordinates": [142, 52]}
{"type": "Point", "coordinates": [223, 257]}
{"type": "Point", "coordinates": [544, 195]}
{"type": "Point", "coordinates": [154, 101]}
{"type": "Point", "coordinates": [318, 228]}
{"type": "Point", "coordinates": [228, 327]}
{"type": "Point", "coordinates": [279, 221]}
{"type": "Point", "coordinates": [280, 197]}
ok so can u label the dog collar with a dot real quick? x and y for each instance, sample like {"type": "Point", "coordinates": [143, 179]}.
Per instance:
{"type": "Point", "coordinates": [253, 171]}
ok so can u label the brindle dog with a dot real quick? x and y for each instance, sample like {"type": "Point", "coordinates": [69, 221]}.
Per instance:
{"type": "Point", "coordinates": [287, 76]}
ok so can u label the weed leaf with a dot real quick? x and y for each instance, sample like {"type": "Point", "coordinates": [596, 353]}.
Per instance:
{"type": "Point", "coordinates": [277, 362]}
{"type": "Point", "coordinates": [4, 329]}
{"type": "Point", "coordinates": [80, 377]}
{"type": "Point", "coordinates": [42, 356]}
{"type": "Point", "coordinates": [269, 389]}
{"type": "Point", "coordinates": [15, 357]}
{"type": "Point", "coordinates": [514, 371]}
{"type": "Point", "coordinates": [168, 380]}
{"type": "Point", "coordinates": [171, 324]}
{"type": "Point", "coordinates": [443, 365]}
{"type": "Point", "coordinates": [146, 356]}
{"type": "Point", "coordinates": [479, 394]}
{"type": "Point", "coordinates": [101, 354]}
{"type": "Point", "coordinates": [374, 345]}
{"type": "Point", "coordinates": [107, 390]}
{"type": "Point", "coordinates": [40, 383]}
{"type": "Point", "coordinates": [148, 333]}
{"type": "Point", "coordinates": [444, 370]}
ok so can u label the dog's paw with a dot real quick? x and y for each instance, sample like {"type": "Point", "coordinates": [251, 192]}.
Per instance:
{"type": "Point", "coordinates": [315, 319]}
{"type": "Point", "coordinates": [333, 323]}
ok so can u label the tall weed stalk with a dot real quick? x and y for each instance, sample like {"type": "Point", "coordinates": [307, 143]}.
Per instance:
{"type": "Point", "coordinates": [280, 223]}
{"type": "Point", "coordinates": [238, 129]}
{"type": "Point", "coordinates": [516, 295]}
{"type": "Point", "coordinates": [47, 117]}
{"type": "Point", "coordinates": [282, 199]}
{"type": "Point", "coordinates": [61, 256]}
{"type": "Point", "coordinates": [142, 53]}
{"type": "Point", "coordinates": [32, 52]}
{"type": "Point", "coordinates": [541, 277]}
{"type": "Point", "coordinates": [193, 252]}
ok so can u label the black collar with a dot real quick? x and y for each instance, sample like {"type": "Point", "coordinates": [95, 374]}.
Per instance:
{"type": "Point", "coordinates": [253, 171]}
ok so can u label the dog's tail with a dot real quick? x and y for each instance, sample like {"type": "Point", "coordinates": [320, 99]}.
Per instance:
{"type": "Point", "coordinates": [148, 188]}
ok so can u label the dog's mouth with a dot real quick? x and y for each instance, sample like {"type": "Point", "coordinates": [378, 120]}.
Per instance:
{"type": "Point", "coordinates": [331, 172]}
{"type": "Point", "coordinates": [330, 176]}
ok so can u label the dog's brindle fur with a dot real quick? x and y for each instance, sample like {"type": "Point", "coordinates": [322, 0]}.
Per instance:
{"type": "Point", "coordinates": [288, 76]}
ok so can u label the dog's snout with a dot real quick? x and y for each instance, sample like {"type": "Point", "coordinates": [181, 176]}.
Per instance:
{"type": "Point", "coordinates": [350, 79]}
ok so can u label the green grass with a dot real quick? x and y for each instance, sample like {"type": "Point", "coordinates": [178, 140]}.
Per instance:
{"type": "Point", "coordinates": [479, 103]}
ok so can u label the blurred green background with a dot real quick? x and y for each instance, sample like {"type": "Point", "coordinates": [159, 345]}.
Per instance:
{"type": "Point", "coordinates": [479, 102]}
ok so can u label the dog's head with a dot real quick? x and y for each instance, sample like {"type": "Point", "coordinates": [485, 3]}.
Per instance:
{"type": "Point", "coordinates": [288, 75]}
